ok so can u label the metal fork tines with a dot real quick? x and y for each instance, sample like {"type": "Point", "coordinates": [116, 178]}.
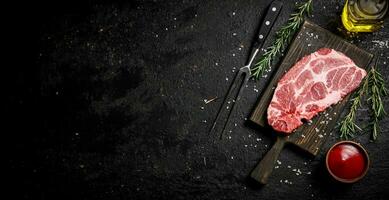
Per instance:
{"type": "Point", "coordinates": [244, 73]}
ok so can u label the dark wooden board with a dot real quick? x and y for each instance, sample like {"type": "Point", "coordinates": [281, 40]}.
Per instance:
{"type": "Point", "coordinates": [309, 39]}
{"type": "Point", "coordinates": [310, 136]}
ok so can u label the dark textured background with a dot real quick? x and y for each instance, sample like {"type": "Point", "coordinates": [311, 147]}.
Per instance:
{"type": "Point", "coordinates": [106, 101]}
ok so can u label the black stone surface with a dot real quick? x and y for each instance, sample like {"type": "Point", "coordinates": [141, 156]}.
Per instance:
{"type": "Point", "coordinates": [105, 100]}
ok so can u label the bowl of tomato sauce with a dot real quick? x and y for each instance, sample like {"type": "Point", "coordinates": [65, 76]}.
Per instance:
{"type": "Point", "coordinates": [347, 161]}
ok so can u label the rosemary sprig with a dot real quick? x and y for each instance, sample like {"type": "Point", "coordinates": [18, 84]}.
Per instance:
{"type": "Point", "coordinates": [348, 125]}
{"type": "Point", "coordinates": [377, 91]}
{"type": "Point", "coordinates": [374, 86]}
{"type": "Point", "coordinates": [283, 37]}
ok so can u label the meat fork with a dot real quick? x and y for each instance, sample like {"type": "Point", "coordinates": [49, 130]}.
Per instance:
{"type": "Point", "coordinates": [245, 72]}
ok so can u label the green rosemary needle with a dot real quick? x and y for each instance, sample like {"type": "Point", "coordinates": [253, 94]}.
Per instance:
{"type": "Point", "coordinates": [283, 37]}
{"type": "Point", "coordinates": [377, 90]}
{"type": "Point", "coordinates": [348, 125]}
{"type": "Point", "coordinates": [374, 86]}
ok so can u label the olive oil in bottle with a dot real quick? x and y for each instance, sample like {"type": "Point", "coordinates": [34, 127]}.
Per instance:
{"type": "Point", "coordinates": [364, 15]}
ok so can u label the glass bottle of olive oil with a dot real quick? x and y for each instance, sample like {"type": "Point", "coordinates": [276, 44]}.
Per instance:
{"type": "Point", "coordinates": [364, 15]}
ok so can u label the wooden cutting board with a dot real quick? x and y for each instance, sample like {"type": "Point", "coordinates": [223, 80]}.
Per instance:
{"type": "Point", "coordinates": [309, 136]}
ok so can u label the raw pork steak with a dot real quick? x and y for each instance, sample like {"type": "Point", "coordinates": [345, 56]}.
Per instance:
{"type": "Point", "coordinates": [314, 83]}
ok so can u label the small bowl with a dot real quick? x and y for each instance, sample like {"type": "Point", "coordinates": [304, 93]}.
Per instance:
{"type": "Point", "coordinates": [346, 157]}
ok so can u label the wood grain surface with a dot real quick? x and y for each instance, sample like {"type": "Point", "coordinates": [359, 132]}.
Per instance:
{"type": "Point", "coordinates": [311, 135]}
{"type": "Point", "coordinates": [310, 38]}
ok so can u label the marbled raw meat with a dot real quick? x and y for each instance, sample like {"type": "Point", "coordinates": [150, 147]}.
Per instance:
{"type": "Point", "coordinates": [314, 83]}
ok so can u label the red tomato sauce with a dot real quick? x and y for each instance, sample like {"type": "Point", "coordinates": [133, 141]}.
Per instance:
{"type": "Point", "coordinates": [347, 161]}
